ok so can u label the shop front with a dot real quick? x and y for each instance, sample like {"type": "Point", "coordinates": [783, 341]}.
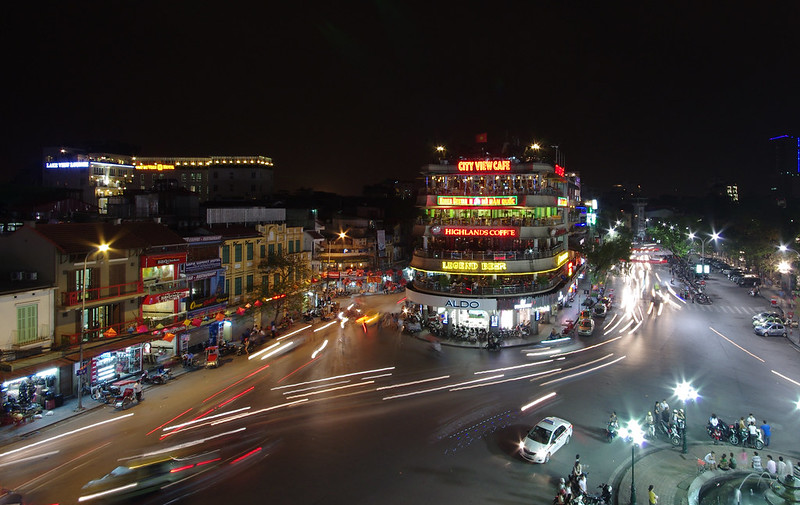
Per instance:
{"type": "Point", "coordinates": [41, 388]}
{"type": "Point", "coordinates": [117, 364]}
{"type": "Point", "coordinates": [164, 290]}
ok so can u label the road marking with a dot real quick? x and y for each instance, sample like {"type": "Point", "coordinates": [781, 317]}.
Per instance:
{"type": "Point", "coordinates": [737, 345]}
{"type": "Point", "coordinates": [786, 378]}
{"type": "Point", "coordinates": [22, 486]}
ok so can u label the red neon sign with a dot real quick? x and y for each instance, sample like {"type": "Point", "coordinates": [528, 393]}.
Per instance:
{"type": "Point", "coordinates": [484, 166]}
{"type": "Point", "coordinates": [560, 170]}
{"type": "Point", "coordinates": [462, 231]}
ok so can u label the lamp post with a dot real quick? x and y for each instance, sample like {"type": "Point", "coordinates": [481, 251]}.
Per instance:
{"type": "Point", "coordinates": [633, 431]}
{"type": "Point", "coordinates": [685, 392]}
{"type": "Point", "coordinates": [714, 236]}
{"type": "Point", "coordinates": [441, 150]}
{"type": "Point", "coordinates": [341, 235]}
{"type": "Point", "coordinates": [784, 249]}
{"type": "Point", "coordinates": [101, 248]}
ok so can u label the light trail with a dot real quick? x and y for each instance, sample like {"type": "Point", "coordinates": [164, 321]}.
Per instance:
{"type": "Point", "coordinates": [622, 330]}
{"type": "Point", "coordinates": [581, 365]}
{"type": "Point", "coordinates": [334, 378]}
{"type": "Point", "coordinates": [325, 326]}
{"type": "Point", "coordinates": [296, 370]}
{"type": "Point", "coordinates": [78, 430]}
{"type": "Point", "coordinates": [786, 378]}
{"type": "Point", "coordinates": [25, 485]}
{"type": "Point", "coordinates": [166, 423]}
{"type": "Point", "coordinates": [295, 332]}
{"type": "Point", "coordinates": [315, 387]}
{"type": "Point", "coordinates": [279, 349]}
{"type": "Point", "coordinates": [513, 367]}
{"type": "Point", "coordinates": [237, 382]}
{"type": "Point", "coordinates": [737, 345]}
{"type": "Point", "coordinates": [584, 372]}
{"type": "Point", "coordinates": [510, 379]}
{"type": "Point", "coordinates": [182, 446]}
{"type": "Point", "coordinates": [319, 350]}
{"type": "Point", "coordinates": [586, 348]}
{"type": "Point", "coordinates": [412, 393]}
{"type": "Point", "coordinates": [610, 322]}
{"type": "Point", "coordinates": [637, 325]}
{"type": "Point", "coordinates": [235, 397]}
{"type": "Point", "coordinates": [30, 458]}
{"type": "Point", "coordinates": [357, 384]}
{"type": "Point", "coordinates": [262, 351]}
{"type": "Point", "coordinates": [260, 411]}
{"type": "Point", "coordinates": [198, 419]}
{"type": "Point", "coordinates": [376, 376]}
{"type": "Point", "coordinates": [107, 492]}
{"type": "Point", "coordinates": [412, 383]}
{"type": "Point", "coordinates": [537, 401]}
{"type": "Point", "coordinates": [539, 349]}
{"type": "Point", "coordinates": [616, 324]}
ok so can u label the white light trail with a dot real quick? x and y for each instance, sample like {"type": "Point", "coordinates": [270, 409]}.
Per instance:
{"type": "Point", "coordinates": [513, 367]}
{"type": "Point", "coordinates": [637, 326]}
{"type": "Point", "coordinates": [376, 376]}
{"type": "Point", "coordinates": [66, 434]}
{"type": "Point", "coordinates": [510, 379]}
{"type": "Point", "coordinates": [203, 419]}
{"type": "Point", "coordinates": [538, 401]}
{"type": "Point", "coordinates": [442, 387]}
{"type": "Point", "coordinates": [107, 492]}
{"type": "Point", "coordinates": [325, 326]}
{"type": "Point", "coordinates": [295, 332]}
{"type": "Point", "coordinates": [786, 378]}
{"type": "Point", "coordinates": [259, 411]}
{"type": "Point", "coordinates": [584, 372]}
{"type": "Point", "coordinates": [610, 322]}
{"type": "Point", "coordinates": [184, 445]}
{"type": "Point", "coordinates": [334, 378]}
{"type": "Point", "coordinates": [315, 387]}
{"type": "Point", "coordinates": [315, 353]}
{"type": "Point", "coordinates": [357, 384]}
{"type": "Point", "coordinates": [262, 351]}
{"type": "Point", "coordinates": [279, 349]}
{"type": "Point", "coordinates": [586, 348]}
{"type": "Point", "coordinates": [29, 458]}
{"type": "Point", "coordinates": [413, 383]}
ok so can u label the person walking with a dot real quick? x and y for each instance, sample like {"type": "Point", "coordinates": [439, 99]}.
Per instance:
{"type": "Point", "coordinates": [767, 431]}
{"type": "Point", "coordinates": [651, 494]}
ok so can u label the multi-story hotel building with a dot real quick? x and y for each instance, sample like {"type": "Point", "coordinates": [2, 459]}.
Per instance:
{"type": "Point", "coordinates": [492, 247]}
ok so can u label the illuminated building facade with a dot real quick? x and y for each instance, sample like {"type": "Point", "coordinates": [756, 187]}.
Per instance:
{"type": "Point", "coordinates": [212, 177]}
{"type": "Point", "coordinates": [492, 247]}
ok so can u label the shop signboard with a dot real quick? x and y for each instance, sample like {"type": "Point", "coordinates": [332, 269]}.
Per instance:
{"type": "Point", "coordinates": [207, 302]}
{"type": "Point", "coordinates": [477, 201]}
{"type": "Point", "coordinates": [450, 302]}
{"type": "Point", "coordinates": [161, 260]}
{"type": "Point", "coordinates": [474, 266]}
{"type": "Point", "coordinates": [475, 231]}
{"type": "Point", "coordinates": [165, 297]}
{"type": "Point", "coordinates": [194, 267]}
{"type": "Point", "coordinates": [484, 166]}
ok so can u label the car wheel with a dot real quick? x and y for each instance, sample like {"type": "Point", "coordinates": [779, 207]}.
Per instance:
{"type": "Point", "coordinates": [784, 334]}
{"type": "Point", "coordinates": [547, 457]}
{"type": "Point", "coordinates": [567, 440]}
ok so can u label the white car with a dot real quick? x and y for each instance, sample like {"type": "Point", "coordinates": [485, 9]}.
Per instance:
{"type": "Point", "coordinates": [544, 439]}
{"type": "Point", "coordinates": [585, 327]}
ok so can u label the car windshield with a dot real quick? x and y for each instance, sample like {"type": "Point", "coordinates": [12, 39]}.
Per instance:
{"type": "Point", "coordinates": [540, 434]}
{"type": "Point", "coordinates": [586, 324]}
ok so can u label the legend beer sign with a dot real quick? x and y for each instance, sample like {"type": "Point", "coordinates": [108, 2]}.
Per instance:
{"type": "Point", "coordinates": [477, 201]}
{"type": "Point", "coordinates": [474, 266]}
{"type": "Point", "coordinates": [484, 166]}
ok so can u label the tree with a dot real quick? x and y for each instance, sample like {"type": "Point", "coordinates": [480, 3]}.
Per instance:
{"type": "Point", "coordinates": [615, 248]}
{"type": "Point", "coordinates": [287, 277]}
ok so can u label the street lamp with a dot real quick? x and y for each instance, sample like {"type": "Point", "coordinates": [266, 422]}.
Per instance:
{"type": "Point", "coordinates": [633, 431]}
{"type": "Point", "coordinates": [441, 150]}
{"type": "Point", "coordinates": [714, 236]}
{"type": "Point", "coordinates": [100, 249]}
{"type": "Point", "coordinates": [341, 235]}
{"type": "Point", "coordinates": [685, 392]}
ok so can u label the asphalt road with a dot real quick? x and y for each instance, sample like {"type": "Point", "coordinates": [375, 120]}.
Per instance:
{"type": "Point", "coordinates": [348, 426]}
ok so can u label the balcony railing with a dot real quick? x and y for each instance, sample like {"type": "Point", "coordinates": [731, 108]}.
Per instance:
{"type": "Point", "coordinates": [73, 339]}
{"type": "Point", "coordinates": [527, 254]}
{"type": "Point", "coordinates": [27, 338]}
{"type": "Point", "coordinates": [515, 221]}
{"type": "Point", "coordinates": [522, 287]}
{"type": "Point", "coordinates": [69, 298]}
{"type": "Point", "coordinates": [468, 191]}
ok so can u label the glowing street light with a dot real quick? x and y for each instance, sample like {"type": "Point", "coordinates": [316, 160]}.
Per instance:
{"type": "Point", "coordinates": [100, 249]}
{"type": "Point", "coordinates": [685, 393]}
{"type": "Point", "coordinates": [633, 432]}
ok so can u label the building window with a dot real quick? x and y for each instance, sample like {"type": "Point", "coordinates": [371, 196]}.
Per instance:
{"type": "Point", "coordinates": [297, 245]}
{"type": "Point", "coordinates": [252, 175]}
{"type": "Point", "coordinates": [227, 286]}
{"type": "Point", "coordinates": [237, 253]}
{"type": "Point", "coordinates": [216, 188]}
{"type": "Point", "coordinates": [237, 286]}
{"type": "Point", "coordinates": [226, 255]}
{"type": "Point", "coordinates": [291, 247]}
{"type": "Point", "coordinates": [272, 249]}
{"type": "Point", "coordinates": [249, 283]}
{"type": "Point", "coordinates": [249, 251]}
{"type": "Point", "coordinates": [280, 249]}
{"type": "Point", "coordinates": [276, 279]}
{"type": "Point", "coordinates": [27, 323]}
{"type": "Point", "coordinates": [263, 251]}
{"type": "Point", "coordinates": [230, 175]}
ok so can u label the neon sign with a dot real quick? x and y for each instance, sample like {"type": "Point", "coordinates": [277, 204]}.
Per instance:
{"type": "Point", "coordinates": [460, 231]}
{"type": "Point", "coordinates": [67, 164]}
{"type": "Point", "coordinates": [474, 266]}
{"type": "Point", "coordinates": [477, 201]}
{"type": "Point", "coordinates": [562, 201]}
{"type": "Point", "coordinates": [484, 166]}
{"type": "Point", "coordinates": [562, 258]}
{"type": "Point", "coordinates": [560, 170]}
{"type": "Point", "coordinates": [157, 166]}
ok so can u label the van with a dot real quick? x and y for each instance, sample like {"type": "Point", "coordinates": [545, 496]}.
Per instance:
{"type": "Point", "coordinates": [748, 281]}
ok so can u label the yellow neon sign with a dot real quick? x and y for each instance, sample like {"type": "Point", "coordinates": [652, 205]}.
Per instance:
{"type": "Point", "coordinates": [474, 266]}
{"type": "Point", "coordinates": [562, 258]}
{"type": "Point", "coordinates": [158, 166]}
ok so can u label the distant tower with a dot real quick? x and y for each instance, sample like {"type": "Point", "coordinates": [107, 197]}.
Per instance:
{"type": "Point", "coordinates": [639, 222]}
{"type": "Point", "coordinates": [786, 155]}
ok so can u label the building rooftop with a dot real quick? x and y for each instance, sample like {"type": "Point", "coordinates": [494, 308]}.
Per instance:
{"type": "Point", "coordinates": [73, 238]}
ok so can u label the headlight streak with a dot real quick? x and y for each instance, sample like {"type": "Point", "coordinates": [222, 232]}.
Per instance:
{"type": "Point", "coordinates": [510, 379]}
{"type": "Point", "coordinates": [610, 322]}
{"type": "Point", "coordinates": [237, 382]}
{"type": "Point", "coordinates": [315, 387]}
{"type": "Point", "coordinates": [107, 492]}
{"type": "Point", "coordinates": [660, 308]}
{"type": "Point", "coordinates": [737, 345]}
{"type": "Point", "coordinates": [376, 376]}
{"type": "Point", "coordinates": [27, 485]}
{"type": "Point", "coordinates": [235, 397]}
{"type": "Point", "coordinates": [295, 332]}
{"type": "Point", "coordinates": [537, 401]}
{"type": "Point", "coordinates": [513, 367]}
{"type": "Point", "coordinates": [262, 351]}
{"type": "Point", "coordinates": [279, 349]}
{"type": "Point", "coordinates": [183, 446]}
{"type": "Point", "coordinates": [29, 458]}
{"type": "Point", "coordinates": [195, 421]}
{"type": "Point", "coordinates": [538, 349]}
{"type": "Point", "coordinates": [584, 372]}
{"type": "Point", "coordinates": [412, 383]}
{"type": "Point", "coordinates": [786, 378]}
{"type": "Point", "coordinates": [357, 384]}
{"type": "Point", "coordinates": [586, 364]}
{"type": "Point", "coordinates": [259, 411]}
{"type": "Point", "coordinates": [412, 393]}
{"type": "Point", "coordinates": [615, 325]}
{"type": "Point", "coordinates": [622, 330]}
{"type": "Point", "coordinates": [319, 350]}
{"type": "Point", "coordinates": [166, 423]}
{"type": "Point", "coordinates": [40, 442]}
{"type": "Point", "coordinates": [639, 324]}
{"type": "Point", "coordinates": [585, 348]}
{"type": "Point", "coordinates": [333, 378]}
{"type": "Point", "coordinates": [324, 326]}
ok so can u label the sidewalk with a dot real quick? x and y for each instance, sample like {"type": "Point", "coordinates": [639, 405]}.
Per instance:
{"type": "Point", "coordinates": [786, 305]}
{"type": "Point", "coordinates": [674, 475]}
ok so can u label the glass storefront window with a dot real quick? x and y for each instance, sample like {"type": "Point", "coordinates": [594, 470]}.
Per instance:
{"type": "Point", "coordinates": [159, 273]}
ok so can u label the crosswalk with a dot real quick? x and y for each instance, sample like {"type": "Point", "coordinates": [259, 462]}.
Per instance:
{"type": "Point", "coordinates": [725, 309]}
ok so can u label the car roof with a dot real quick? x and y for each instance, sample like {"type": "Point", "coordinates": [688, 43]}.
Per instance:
{"type": "Point", "coordinates": [552, 422]}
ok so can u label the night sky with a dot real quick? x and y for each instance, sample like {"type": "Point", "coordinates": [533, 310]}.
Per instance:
{"type": "Point", "coordinates": [340, 94]}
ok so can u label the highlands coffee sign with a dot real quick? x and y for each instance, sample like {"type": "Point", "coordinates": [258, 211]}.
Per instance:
{"type": "Point", "coordinates": [464, 231]}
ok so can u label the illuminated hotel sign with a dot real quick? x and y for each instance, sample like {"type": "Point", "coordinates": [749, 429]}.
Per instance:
{"type": "Point", "coordinates": [474, 266]}
{"type": "Point", "coordinates": [485, 166]}
{"type": "Point", "coordinates": [67, 164]}
{"type": "Point", "coordinates": [562, 201]}
{"type": "Point", "coordinates": [157, 166]}
{"type": "Point", "coordinates": [560, 170]}
{"type": "Point", "coordinates": [461, 231]}
{"type": "Point", "coordinates": [562, 258]}
{"type": "Point", "coordinates": [477, 201]}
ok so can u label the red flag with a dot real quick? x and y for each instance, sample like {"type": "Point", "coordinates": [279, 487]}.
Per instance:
{"type": "Point", "coordinates": [481, 138]}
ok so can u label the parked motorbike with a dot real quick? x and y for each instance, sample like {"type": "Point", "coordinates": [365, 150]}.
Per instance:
{"type": "Point", "coordinates": [720, 433]}
{"type": "Point", "coordinates": [742, 437]}
{"type": "Point", "coordinates": [703, 299]}
{"type": "Point", "coordinates": [668, 432]}
{"type": "Point", "coordinates": [604, 498]}
{"type": "Point", "coordinates": [159, 376]}
{"type": "Point", "coordinates": [130, 392]}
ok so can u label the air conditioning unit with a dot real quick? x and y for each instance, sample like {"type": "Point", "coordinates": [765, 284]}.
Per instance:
{"type": "Point", "coordinates": [17, 276]}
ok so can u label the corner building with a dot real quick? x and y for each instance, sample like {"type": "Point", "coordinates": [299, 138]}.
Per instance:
{"type": "Point", "coordinates": [492, 246]}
